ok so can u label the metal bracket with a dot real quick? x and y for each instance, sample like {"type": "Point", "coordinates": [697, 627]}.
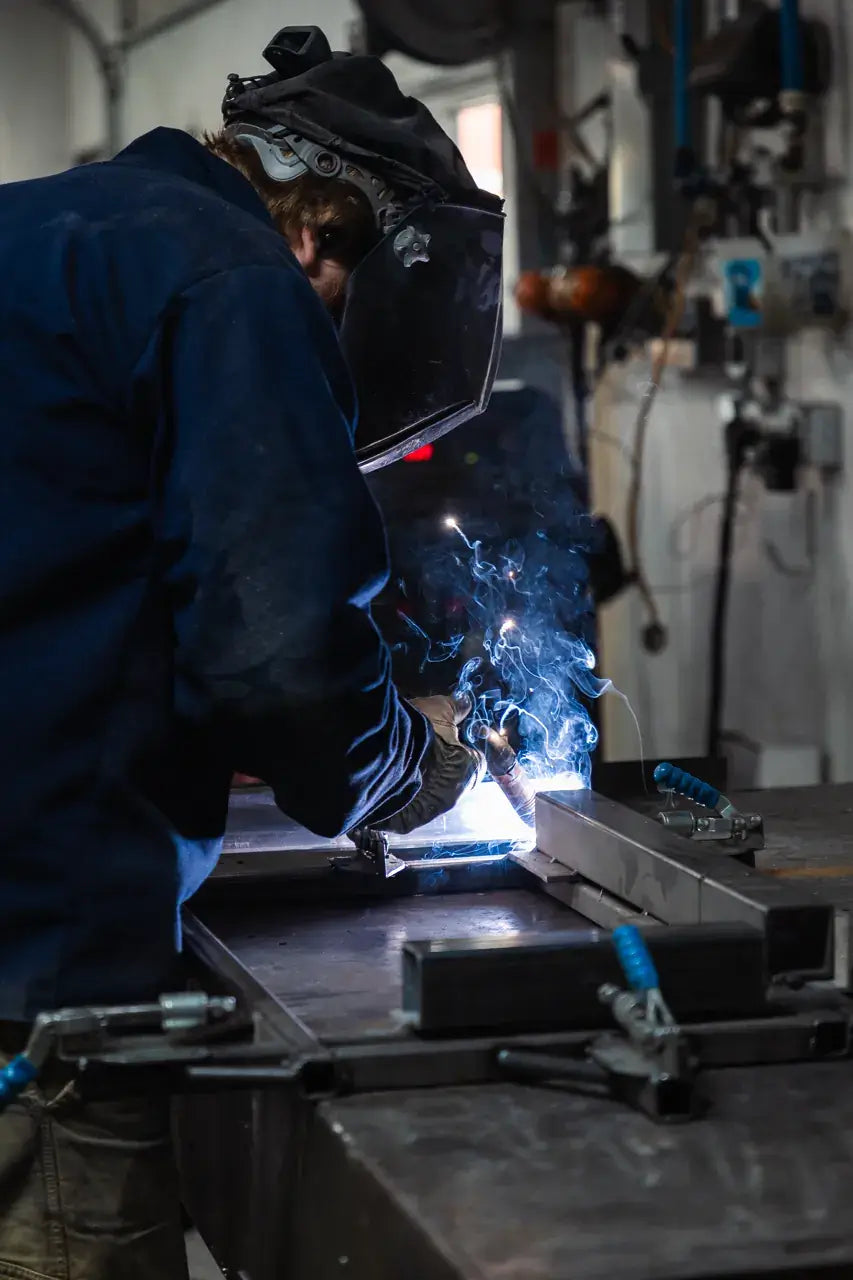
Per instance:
{"type": "Point", "coordinates": [371, 857]}
{"type": "Point", "coordinates": [741, 833]}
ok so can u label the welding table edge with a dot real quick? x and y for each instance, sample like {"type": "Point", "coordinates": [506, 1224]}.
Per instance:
{"type": "Point", "coordinates": [375, 1064]}
{"type": "Point", "coordinates": [642, 863]}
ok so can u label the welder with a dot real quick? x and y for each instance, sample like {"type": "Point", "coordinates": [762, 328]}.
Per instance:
{"type": "Point", "coordinates": [202, 346]}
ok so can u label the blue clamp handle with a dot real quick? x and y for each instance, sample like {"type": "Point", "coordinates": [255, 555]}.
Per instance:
{"type": "Point", "coordinates": [637, 964]}
{"type": "Point", "coordinates": [14, 1078]}
{"type": "Point", "coordinates": [669, 778]}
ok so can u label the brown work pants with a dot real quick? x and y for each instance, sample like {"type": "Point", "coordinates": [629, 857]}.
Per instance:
{"type": "Point", "coordinates": [88, 1191]}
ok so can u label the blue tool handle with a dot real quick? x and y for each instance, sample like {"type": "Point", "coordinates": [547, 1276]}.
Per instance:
{"type": "Point", "coordinates": [14, 1078]}
{"type": "Point", "coordinates": [637, 965]}
{"type": "Point", "coordinates": [669, 778]}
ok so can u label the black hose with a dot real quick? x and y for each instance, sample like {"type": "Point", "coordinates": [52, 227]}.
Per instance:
{"type": "Point", "coordinates": [580, 396]}
{"type": "Point", "coordinates": [739, 437]}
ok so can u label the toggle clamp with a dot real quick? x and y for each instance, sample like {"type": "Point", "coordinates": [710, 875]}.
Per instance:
{"type": "Point", "coordinates": [649, 1066]}
{"type": "Point", "coordinates": [737, 833]}
{"type": "Point", "coordinates": [173, 1018]}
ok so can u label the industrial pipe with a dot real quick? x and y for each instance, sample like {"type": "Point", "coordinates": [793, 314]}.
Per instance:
{"type": "Point", "coordinates": [792, 51]}
{"type": "Point", "coordinates": [793, 102]}
{"type": "Point", "coordinates": [108, 58]}
{"type": "Point", "coordinates": [681, 91]}
{"type": "Point", "coordinates": [194, 9]}
{"type": "Point", "coordinates": [110, 55]}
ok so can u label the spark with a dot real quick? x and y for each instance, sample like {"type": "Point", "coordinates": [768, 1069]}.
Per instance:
{"type": "Point", "coordinates": [450, 523]}
{"type": "Point", "coordinates": [508, 624]}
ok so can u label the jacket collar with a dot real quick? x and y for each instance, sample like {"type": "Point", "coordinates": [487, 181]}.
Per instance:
{"type": "Point", "coordinates": [172, 151]}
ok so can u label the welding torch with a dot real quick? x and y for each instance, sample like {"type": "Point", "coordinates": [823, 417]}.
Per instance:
{"type": "Point", "coordinates": [507, 771]}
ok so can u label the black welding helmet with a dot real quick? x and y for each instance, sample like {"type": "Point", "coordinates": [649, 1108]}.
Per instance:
{"type": "Point", "coordinates": [421, 323]}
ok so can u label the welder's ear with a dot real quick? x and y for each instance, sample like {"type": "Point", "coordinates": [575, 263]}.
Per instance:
{"type": "Point", "coordinates": [305, 247]}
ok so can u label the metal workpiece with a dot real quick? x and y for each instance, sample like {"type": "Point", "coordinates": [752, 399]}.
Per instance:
{"type": "Point", "coordinates": [587, 899]}
{"type": "Point", "coordinates": [553, 980]}
{"type": "Point", "coordinates": [262, 843]}
{"type": "Point", "coordinates": [643, 863]}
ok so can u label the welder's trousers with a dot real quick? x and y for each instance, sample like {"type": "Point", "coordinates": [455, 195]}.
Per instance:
{"type": "Point", "coordinates": [88, 1191]}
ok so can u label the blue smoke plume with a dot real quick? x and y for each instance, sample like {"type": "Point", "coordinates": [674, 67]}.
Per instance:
{"type": "Point", "coordinates": [534, 668]}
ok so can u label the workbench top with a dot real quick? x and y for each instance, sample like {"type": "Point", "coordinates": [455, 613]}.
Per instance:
{"type": "Point", "coordinates": [808, 832]}
{"type": "Point", "coordinates": [338, 965]}
{"type": "Point", "coordinates": [505, 1182]}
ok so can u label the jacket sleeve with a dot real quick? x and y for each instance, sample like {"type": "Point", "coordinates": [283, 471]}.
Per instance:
{"type": "Point", "coordinates": [274, 549]}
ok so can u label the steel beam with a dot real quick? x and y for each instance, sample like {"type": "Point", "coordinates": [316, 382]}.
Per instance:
{"type": "Point", "coordinates": [657, 871]}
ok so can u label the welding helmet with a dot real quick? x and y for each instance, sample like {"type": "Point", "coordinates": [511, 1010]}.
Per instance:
{"type": "Point", "coordinates": [421, 324]}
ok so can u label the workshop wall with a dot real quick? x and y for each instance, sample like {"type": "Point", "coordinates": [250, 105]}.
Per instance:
{"type": "Point", "coordinates": [179, 77]}
{"type": "Point", "coordinates": [790, 650]}
{"type": "Point", "coordinates": [33, 91]}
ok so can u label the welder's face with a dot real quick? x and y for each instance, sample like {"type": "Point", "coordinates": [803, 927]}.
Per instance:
{"type": "Point", "coordinates": [327, 272]}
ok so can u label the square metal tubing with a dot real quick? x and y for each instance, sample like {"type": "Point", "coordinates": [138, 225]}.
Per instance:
{"type": "Point", "coordinates": [657, 871]}
{"type": "Point", "coordinates": [538, 981]}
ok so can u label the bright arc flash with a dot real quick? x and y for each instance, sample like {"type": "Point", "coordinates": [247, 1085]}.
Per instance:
{"type": "Point", "coordinates": [485, 814]}
{"type": "Point", "coordinates": [450, 522]}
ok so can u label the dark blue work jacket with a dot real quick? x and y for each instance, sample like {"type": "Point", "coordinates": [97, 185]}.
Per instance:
{"type": "Point", "coordinates": [188, 553]}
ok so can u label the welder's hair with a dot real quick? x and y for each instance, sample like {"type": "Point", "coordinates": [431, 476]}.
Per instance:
{"type": "Point", "coordinates": [337, 211]}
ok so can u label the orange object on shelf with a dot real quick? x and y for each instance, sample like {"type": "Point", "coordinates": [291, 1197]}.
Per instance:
{"type": "Point", "coordinates": [598, 294]}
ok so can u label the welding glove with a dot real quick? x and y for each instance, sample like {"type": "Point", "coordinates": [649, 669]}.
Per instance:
{"type": "Point", "coordinates": [450, 769]}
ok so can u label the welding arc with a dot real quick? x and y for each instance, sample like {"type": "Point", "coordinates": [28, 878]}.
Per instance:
{"type": "Point", "coordinates": [675, 311]}
{"type": "Point", "coordinates": [507, 772]}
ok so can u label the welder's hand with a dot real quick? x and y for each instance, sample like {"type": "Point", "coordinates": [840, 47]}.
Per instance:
{"type": "Point", "coordinates": [451, 768]}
